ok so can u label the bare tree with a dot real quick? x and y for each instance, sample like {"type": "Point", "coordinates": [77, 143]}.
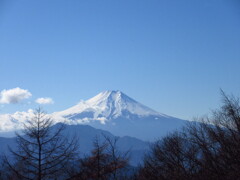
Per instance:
{"type": "Point", "coordinates": [42, 150]}
{"type": "Point", "coordinates": [172, 157]}
{"type": "Point", "coordinates": [218, 137]}
{"type": "Point", "coordinates": [118, 160]}
{"type": "Point", "coordinates": [208, 149]}
{"type": "Point", "coordinates": [105, 162]}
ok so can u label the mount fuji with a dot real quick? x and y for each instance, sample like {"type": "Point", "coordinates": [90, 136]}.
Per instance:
{"type": "Point", "coordinates": [112, 111]}
{"type": "Point", "coordinates": [121, 115]}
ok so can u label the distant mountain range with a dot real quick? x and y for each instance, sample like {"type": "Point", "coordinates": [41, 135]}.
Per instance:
{"type": "Point", "coordinates": [110, 110]}
{"type": "Point", "coordinates": [86, 135]}
{"type": "Point", "coordinates": [110, 113]}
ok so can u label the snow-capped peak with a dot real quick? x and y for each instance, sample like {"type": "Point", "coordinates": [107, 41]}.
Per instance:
{"type": "Point", "coordinates": [105, 96]}
{"type": "Point", "coordinates": [109, 105]}
{"type": "Point", "coordinates": [109, 110]}
{"type": "Point", "coordinates": [117, 102]}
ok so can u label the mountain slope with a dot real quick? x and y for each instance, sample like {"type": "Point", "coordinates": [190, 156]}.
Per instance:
{"type": "Point", "coordinates": [86, 135]}
{"type": "Point", "coordinates": [113, 111]}
{"type": "Point", "coordinates": [106, 106]}
{"type": "Point", "coordinates": [121, 115]}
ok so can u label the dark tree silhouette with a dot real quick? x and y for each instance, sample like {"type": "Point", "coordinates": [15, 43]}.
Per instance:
{"type": "Point", "coordinates": [218, 137]}
{"type": "Point", "coordinates": [105, 162]}
{"type": "Point", "coordinates": [208, 149]}
{"type": "Point", "coordinates": [42, 151]}
{"type": "Point", "coordinates": [172, 157]}
{"type": "Point", "coordinates": [118, 160]}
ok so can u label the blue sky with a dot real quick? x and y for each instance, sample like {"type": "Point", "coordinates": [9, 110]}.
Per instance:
{"type": "Point", "coordinates": [171, 55]}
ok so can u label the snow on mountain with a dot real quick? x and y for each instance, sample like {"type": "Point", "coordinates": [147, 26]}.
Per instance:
{"type": "Point", "coordinates": [110, 110]}
{"type": "Point", "coordinates": [104, 107]}
{"type": "Point", "coordinates": [121, 115]}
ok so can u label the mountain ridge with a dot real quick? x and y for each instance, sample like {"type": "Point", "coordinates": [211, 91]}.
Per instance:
{"type": "Point", "coordinates": [86, 136]}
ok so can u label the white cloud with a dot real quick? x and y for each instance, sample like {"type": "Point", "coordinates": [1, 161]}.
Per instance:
{"type": "Point", "coordinates": [13, 122]}
{"type": "Point", "coordinates": [13, 96]}
{"type": "Point", "coordinates": [44, 101]}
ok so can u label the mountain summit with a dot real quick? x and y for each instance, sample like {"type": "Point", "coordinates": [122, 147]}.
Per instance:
{"type": "Point", "coordinates": [106, 106]}
{"type": "Point", "coordinates": [116, 102]}
{"type": "Point", "coordinates": [114, 111]}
